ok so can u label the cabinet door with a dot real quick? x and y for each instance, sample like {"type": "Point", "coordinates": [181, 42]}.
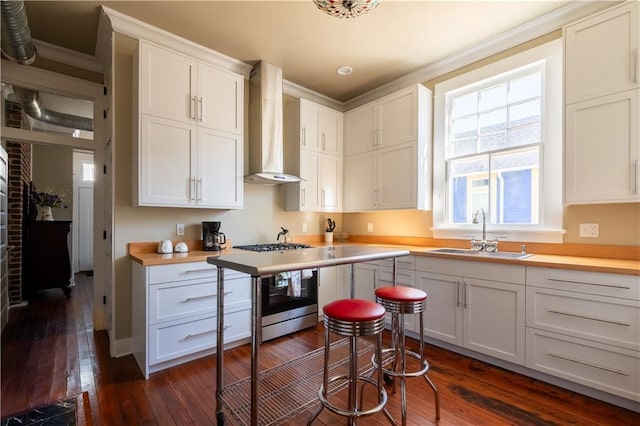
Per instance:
{"type": "Point", "coordinates": [330, 126]}
{"type": "Point", "coordinates": [166, 155]}
{"type": "Point", "coordinates": [166, 84]}
{"type": "Point", "coordinates": [330, 186]}
{"type": "Point", "coordinates": [602, 144]}
{"type": "Point", "coordinates": [220, 99]}
{"type": "Point", "coordinates": [494, 314]}
{"type": "Point", "coordinates": [404, 277]}
{"type": "Point", "coordinates": [365, 276]}
{"type": "Point", "coordinates": [328, 285]}
{"type": "Point", "coordinates": [397, 118]}
{"type": "Point", "coordinates": [310, 185]}
{"type": "Point", "coordinates": [397, 177]}
{"type": "Point", "coordinates": [601, 54]}
{"type": "Point", "coordinates": [219, 181]}
{"type": "Point", "coordinates": [443, 315]}
{"type": "Point", "coordinates": [309, 125]}
{"type": "Point", "coordinates": [360, 130]}
{"type": "Point", "coordinates": [359, 176]}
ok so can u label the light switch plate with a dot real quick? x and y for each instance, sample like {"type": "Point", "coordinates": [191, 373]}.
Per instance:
{"type": "Point", "coordinates": [304, 227]}
{"type": "Point", "coordinates": [369, 227]}
{"type": "Point", "coordinates": [180, 229]}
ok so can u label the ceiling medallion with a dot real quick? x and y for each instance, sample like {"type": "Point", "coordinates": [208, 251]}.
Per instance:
{"type": "Point", "coordinates": [346, 8]}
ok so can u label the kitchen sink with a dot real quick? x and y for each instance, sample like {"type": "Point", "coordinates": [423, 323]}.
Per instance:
{"type": "Point", "coordinates": [476, 253]}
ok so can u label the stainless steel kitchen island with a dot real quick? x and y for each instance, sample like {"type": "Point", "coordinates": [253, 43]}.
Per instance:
{"type": "Point", "coordinates": [264, 264]}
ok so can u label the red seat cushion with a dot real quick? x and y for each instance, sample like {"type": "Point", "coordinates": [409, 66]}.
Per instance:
{"type": "Point", "coordinates": [401, 294]}
{"type": "Point", "coordinates": [354, 310]}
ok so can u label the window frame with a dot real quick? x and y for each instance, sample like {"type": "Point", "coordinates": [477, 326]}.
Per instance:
{"type": "Point", "coordinates": [549, 228]}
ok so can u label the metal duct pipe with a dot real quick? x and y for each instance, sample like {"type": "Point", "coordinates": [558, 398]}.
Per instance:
{"type": "Point", "coordinates": [16, 35]}
{"type": "Point", "coordinates": [30, 102]}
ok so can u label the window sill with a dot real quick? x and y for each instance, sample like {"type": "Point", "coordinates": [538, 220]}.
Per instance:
{"type": "Point", "coordinates": [553, 236]}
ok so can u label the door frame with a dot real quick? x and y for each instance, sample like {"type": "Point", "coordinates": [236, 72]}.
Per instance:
{"type": "Point", "coordinates": [40, 79]}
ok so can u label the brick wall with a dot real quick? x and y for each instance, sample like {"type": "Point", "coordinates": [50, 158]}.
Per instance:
{"type": "Point", "coordinates": [19, 156]}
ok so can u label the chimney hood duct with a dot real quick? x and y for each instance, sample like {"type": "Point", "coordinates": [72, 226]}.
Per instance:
{"type": "Point", "coordinates": [16, 35]}
{"type": "Point", "coordinates": [266, 137]}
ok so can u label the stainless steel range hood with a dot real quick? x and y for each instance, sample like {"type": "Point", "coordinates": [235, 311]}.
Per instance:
{"type": "Point", "coordinates": [266, 138]}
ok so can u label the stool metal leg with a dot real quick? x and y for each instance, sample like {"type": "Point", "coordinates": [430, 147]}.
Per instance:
{"type": "Point", "coordinates": [426, 376]}
{"type": "Point", "coordinates": [325, 376]}
{"type": "Point", "coordinates": [353, 377]}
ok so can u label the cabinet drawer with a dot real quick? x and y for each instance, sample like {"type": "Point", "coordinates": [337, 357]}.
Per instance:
{"type": "Point", "coordinates": [514, 274]}
{"type": "Point", "coordinates": [171, 301]}
{"type": "Point", "coordinates": [180, 272]}
{"type": "Point", "coordinates": [173, 340]}
{"type": "Point", "coordinates": [604, 319]}
{"type": "Point", "coordinates": [600, 283]}
{"type": "Point", "coordinates": [404, 262]}
{"type": "Point", "coordinates": [403, 277]}
{"type": "Point", "coordinates": [603, 367]}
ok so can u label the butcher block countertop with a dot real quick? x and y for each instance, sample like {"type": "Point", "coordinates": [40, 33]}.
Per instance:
{"type": "Point", "coordinates": [145, 254]}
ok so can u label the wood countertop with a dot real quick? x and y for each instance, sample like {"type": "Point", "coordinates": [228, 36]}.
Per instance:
{"type": "Point", "coordinates": [145, 254]}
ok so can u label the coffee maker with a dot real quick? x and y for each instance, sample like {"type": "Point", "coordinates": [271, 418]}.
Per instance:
{"type": "Point", "coordinates": [212, 238]}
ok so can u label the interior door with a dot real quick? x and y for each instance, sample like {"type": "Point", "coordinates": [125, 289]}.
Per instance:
{"type": "Point", "coordinates": [84, 176]}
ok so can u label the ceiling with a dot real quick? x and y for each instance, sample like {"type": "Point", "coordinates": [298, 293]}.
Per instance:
{"type": "Point", "coordinates": [395, 39]}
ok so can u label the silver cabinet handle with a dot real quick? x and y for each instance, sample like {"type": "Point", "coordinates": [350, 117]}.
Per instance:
{"type": "Point", "coordinates": [457, 293]}
{"type": "Point", "coordinates": [464, 293]}
{"type": "Point", "coordinates": [200, 102]}
{"type": "Point", "coordinates": [192, 189]}
{"type": "Point", "coordinates": [199, 190]}
{"type": "Point", "coordinates": [192, 108]}
{"type": "Point", "coordinates": [324, 142]}
{"type": "Point", "coordinates": [635, 176]}
{"type": "Point", "coordinates": [586, 283]}
{"type": "Point", "coordinates": [304, 196]}
{"type": "Point", "coordinates": [569, 314]}
{"type": "Point", "coordinates": [304, 136]}
{"type": "Point", "coordinates": [322, 195]}
{"type": "Point", "coordinates": [205, 296]}
{"type": "Point", "coordinates": [635, 65]}
{"type": "Point", "coordinates": [192, 335]}
{"type": "Point", "coordinates": [191, 271]}
{"type": "Point", "coordinates": [589, 364]}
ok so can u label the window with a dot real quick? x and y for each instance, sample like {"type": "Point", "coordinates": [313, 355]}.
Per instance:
{"type": "Point", "coordinates": [498, 147]}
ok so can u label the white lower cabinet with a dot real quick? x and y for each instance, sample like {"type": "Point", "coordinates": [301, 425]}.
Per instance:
{"type": "Point", "coordinates": [174, 312]}
{"type": "Point", "coordinates": [329, 285]}
{"type": "Point", "coordinates": [482, 310]}
{"type": "Point", "coordinates": [585, 327]}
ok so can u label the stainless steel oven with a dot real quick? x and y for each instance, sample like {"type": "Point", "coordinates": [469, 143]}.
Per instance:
{"type": "Point", "coordinates": [289, 299]}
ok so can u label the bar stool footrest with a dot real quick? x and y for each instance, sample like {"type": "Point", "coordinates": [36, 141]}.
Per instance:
{"type": "Point", "coordinates": [392, 359]}
{"type": "Point", "coordinates": [345, 411]}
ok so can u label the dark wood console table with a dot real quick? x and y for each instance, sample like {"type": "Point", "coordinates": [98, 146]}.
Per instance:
{"type": "Point", "coordinates": [47, 260]}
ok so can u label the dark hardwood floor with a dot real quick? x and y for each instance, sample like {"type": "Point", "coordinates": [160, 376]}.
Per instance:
{"type": "Point", "coordinates": [50, 352]}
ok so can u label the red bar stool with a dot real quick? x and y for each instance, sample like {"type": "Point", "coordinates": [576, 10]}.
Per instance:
{"type": "Point", "coordinates": [401, 300]}
{"type": "Point", "coordinates": [353, 318]}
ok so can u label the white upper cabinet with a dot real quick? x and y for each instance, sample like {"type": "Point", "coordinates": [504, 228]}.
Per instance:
{"type": "Point", "coordinates": [601, 54]}
{"type": "Point", "coordinates": [190, 124]}
{"type": "Point", "coordinates": [313, 151]}
{"type": "Point", "coordinates": [602, 114]}
{"type": "Point", "coordinates": [388, 147]}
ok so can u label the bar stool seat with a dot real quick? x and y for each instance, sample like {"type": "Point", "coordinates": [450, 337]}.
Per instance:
{"type": "Point", "coordinates": [401, 300]}
{"type": "Point", "coordinates": [353, 318]}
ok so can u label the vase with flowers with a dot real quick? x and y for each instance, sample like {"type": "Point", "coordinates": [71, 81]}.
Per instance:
{"type": "Point", "coordinates": [46, 200]}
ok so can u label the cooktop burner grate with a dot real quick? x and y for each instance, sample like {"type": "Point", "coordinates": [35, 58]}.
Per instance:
{"type": "Point", "coordinates": [272, 246]}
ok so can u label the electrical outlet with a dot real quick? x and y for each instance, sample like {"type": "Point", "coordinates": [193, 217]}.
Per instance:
{"type": "Point", "coordinates": [589, 230]}
{"type": "Point", "coordinates": [180, 229]}
{"type": "Point", "coordinates": [369, 227]}
{"type": "Point", "coordinates": [304, 227]}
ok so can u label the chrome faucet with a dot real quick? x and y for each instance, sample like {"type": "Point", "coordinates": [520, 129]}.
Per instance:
{"type": "Point", "coordinates": [483, 245]}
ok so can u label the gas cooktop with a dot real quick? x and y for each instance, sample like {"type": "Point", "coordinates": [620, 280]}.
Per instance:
{"type": "Point", "coordinates": [272, 246]}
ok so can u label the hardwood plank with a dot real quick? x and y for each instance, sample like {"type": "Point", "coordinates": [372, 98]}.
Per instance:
{"type": "Point", "coordinates": [114, 392]}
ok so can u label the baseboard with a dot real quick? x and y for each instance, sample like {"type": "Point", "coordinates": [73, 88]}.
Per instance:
{"type": "Point", "coordinates": [122, 347]}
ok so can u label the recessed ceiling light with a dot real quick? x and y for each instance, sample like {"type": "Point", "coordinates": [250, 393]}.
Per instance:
{"type": "Point", "coordinates": [344, 70]}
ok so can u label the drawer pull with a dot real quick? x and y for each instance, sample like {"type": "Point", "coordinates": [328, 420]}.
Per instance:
{"type": "Point", "coordinates": [191, 271]}
{"type": "Point", "coordinates": [589, 364]}
{"type": "Point", "coordinates": [590, 318]}
{"type": "Point", "coordinates": [205, 296]}
{"type": "Point", "coordinates": [202, 333]}
{"type": "Point", "coordinates": [586, 283]}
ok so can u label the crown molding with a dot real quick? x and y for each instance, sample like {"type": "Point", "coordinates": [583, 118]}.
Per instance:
{"type": "Point", "coordinates": [537, 27]}
{"type": "Point", "coordinates": [67, 56]}
{"type": "Point", "coordinates": [134, 28]}
{"type": "Point", "coordinates": [298, 91]}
